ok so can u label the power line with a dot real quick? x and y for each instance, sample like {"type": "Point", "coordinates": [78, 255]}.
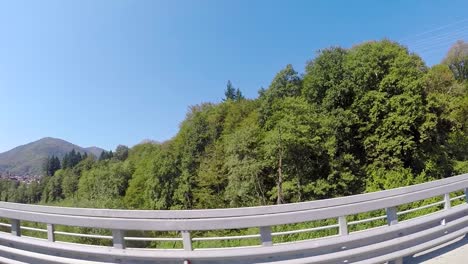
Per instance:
{"type": "Point", "coordinates": [436, 37]}
{"type": "Point", "coordinates": [433, 30]}
{"type": "Point", "coordinates": [445, 41]}
{"type": "Point", "coordinates": [441, 37]}
{"type": "Point", "coordinates": [431, 51]}
{"type": "Point", "coordinates": [436, 46]}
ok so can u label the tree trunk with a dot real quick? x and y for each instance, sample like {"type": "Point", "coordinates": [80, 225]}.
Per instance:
{"type": "Point", "coordinates": [280, 179]}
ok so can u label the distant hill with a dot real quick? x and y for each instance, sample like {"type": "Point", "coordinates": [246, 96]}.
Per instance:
{"type": "Point", "coordinates": [28, 159]}
{"type": "Point", "coordinates": [94, 150]}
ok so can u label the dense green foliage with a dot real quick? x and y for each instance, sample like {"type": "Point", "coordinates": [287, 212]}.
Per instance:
{"type": "Point", "coordinates": [368, 118]}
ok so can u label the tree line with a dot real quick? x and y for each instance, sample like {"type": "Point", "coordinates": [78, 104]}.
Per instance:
{"type": "Point", "coordinates": [363, 119]}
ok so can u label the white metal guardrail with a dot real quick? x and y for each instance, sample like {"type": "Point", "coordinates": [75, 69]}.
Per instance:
{"type": "Point", "coordinates": [340, 230]}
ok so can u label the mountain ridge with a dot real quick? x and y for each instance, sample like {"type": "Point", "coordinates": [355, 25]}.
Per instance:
{"type": "Point", "coordinates": [28, 159]}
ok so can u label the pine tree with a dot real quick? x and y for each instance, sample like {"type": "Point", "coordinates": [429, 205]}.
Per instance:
{"type": "Point", "coordinates": [51, 165]}
{"type": "Point", "coordinates": [103, 155]}
{"type": "Point", "coordinates": [230, 92]}
{"type": "Point", "coordinates": [239, 95]}
{"type": "Point", "coordinates": [79, 157]}
{"type": "Point", "coordinates": [66, 161]}
{"type": "Point", "coordinates": [73, 158]}
{"type": "Point", "coordinates": [46, 166]}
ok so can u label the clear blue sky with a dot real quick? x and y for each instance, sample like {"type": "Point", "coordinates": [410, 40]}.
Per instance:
{"type": "Point", "coordinates": [116, 72]}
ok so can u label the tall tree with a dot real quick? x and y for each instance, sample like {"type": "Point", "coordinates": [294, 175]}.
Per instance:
{"type": "Point", "coordinates": [105, 155]}
{"type": "Point", "coordinates": [230, 92]}
{"type": "Point", "coordinates": [66, 161]}
{"type": "Point", "coordinates": [287, 83]}
{"type": "Point", "coordinates": [239, 95]}
{"type": "Point", "coordinates": [51, 165]}
{"type": "Point", "coordinates": [457, 60]}
{"type": "Point", "coordinates": [324, 78]}
{"type": "Point", "coordinates": [247, 182]}
{"type": "Point", "coordinates": [440, 79]}
{"type": "Point", "coordinates": [293, 147]}
{"type": "Point", "coordinates": [121, 152]}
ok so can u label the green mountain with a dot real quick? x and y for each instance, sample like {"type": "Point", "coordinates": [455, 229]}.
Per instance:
{"type": "Point", "coordinates": [28, 159]}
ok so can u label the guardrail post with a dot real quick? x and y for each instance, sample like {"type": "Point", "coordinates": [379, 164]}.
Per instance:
{"type": "Point", "coordinates": [265, 236]}
{"type": "Point", "coordinates": [392, 217]}
{"type": "Point", "coordinates": [118, 240]}
{"type": "Point", "coordinates": [15, 227]}
{"type": "Point", "coordinates": [343, 225]}
{"type": "Point", "coordinates": [187, 240]}
{"type": "Point", "coordinates": [466, 195]}
{"type": "Point", "coordinates": [447, 203]}
{"type": "Point", "coordinates": [50, 232]}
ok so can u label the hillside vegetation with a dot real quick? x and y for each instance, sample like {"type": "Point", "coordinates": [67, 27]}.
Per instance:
{"type": "Point", "coordinates": [28, 159]}
{"type": "Point", "coordinates": [368, 118]}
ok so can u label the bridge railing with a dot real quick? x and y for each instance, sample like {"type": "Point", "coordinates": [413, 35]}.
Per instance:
{"type": "Point", "coordinates": [338, 214]}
